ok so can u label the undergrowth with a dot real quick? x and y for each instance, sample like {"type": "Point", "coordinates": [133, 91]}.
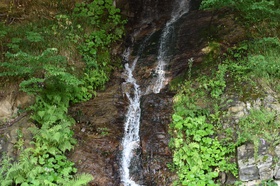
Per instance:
{"type": "Point", "coordinates": [202, 147]}
{"type": "Point", "coordinates": [35, 53]}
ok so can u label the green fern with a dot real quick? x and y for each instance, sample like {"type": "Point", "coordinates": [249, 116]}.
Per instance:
{"type": "Point", "coordinates": [79, 180]}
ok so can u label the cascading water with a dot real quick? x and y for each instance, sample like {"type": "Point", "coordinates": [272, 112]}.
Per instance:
{"type": "Point", "coordinates": [131, 139]}
{"type": "Point", "coordinates": [181, 7]}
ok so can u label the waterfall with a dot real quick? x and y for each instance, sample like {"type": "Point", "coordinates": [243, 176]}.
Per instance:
{"type": "Point", "coordinates": [180, 8]}
{"type": "Point", "coordinates": [131, 139]}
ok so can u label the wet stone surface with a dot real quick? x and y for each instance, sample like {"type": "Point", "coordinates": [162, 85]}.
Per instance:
{"type": "Point", "coordinates": [155, 138]}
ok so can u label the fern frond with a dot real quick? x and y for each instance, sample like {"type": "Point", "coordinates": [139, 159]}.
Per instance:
{"type": "Point", "coordinates": [80, 180]}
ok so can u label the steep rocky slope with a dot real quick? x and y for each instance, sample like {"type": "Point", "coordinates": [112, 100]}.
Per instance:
{"type": "Point", "coordinates": [99, 128]}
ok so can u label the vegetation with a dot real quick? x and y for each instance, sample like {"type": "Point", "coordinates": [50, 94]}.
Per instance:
{"type": "Point", "coordinates": [55, 81]}
{"type": "Point", "coordinates": [251, 10]}
{"type": "Point", "coordinates": [258, 127]}
{"type": "Point", "coordinates": [202, 145]}
{"type": "Point", "coordinates": [197, 152]}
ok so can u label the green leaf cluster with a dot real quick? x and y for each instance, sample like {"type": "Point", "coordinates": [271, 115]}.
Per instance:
{"type": "Point", "coordinates": [200, 142]}
{"type": "Point", "coordinates": [198, 156]}
{"type": "Point", "coordinates": [46, 74]}
{"type": "Point", "coordinates": [260, 126]}
{"type": "Point", "coordinates": [264, 58]}
{"type": "Point", "coordinates": [108, 26]}
{"type": "Point", "coordinates": [216, 85]}
{"type": "Point", "coordinates": [55, 81]}
{"type": "Point", "coordinates": [252, 10]}
{"type": "Point", "coordinates": [46, 78]}
{"type": "Point", "coordinates": [40, 168]}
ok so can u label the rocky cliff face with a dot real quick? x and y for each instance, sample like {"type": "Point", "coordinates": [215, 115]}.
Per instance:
{"type": "Point", "coordinates": [100, 121]}
{"type": "Point", "coordinates": [99, 154]}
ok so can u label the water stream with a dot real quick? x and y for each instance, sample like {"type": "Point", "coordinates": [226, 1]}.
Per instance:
{"type": "Point", "coordinates": [131, 139]}
{"type": "Point", "coordinates": [180, 8]}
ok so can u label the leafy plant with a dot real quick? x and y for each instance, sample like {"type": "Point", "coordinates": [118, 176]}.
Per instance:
{"type": "Point", "coordinates": [109, 27]}
{"type": "Point", "coordinates": [216, 85]}
{"type": "Point", "coordinates": [206, 4]}
{"type": "Point", "coordinates": [36, 167]}
{"type": "Point", "coordinates": [252, 10]}
{"type": "Point", "coordinates": [265, 62]}
{"type": "Point", "coordinates": [47, 79]}
{"type": "Point", "coordinates": [194, 138]}
{"type": "Point", "coordinates": [54, 84]}
{"type": "Point", "coordinates": [259, 125]}
{"type": "Point", "coordinates": [34, 37]}
{"type": "Point", "coordinates": [45, 74]}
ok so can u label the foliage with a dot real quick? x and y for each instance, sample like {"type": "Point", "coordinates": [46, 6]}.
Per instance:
{"type": "Point", "coordinates": [194, 138]}
{"type": "Point", "coordinates": [103, 131]}
{"type": "Point", "coordinates": [268, 183]}
{"type": "Point", "coordinates": [264, 59]}
{"type": "Point", "coordinates": [198, 133]}
{"type": "Point", "coordinates": [252, 10]}
{"type": "Point", "coordinates": [259, 126]}
{"type": "Point", "coordinates": [40, 168]}
{"type": "Point", "coordinates": [47, 79]}
{"type": "Point", "coordinates": [45, 74]}
{"type": "Point", "coordinates": [194, 130]}
{"type": "Point", "coordinates": [217, 84]}
{"type": "Point", "coordinates": [55, 82]}
{"type": "Point", "coordinates": [208, 4]}
{"type": "Point", "coordinates": [108, 26]}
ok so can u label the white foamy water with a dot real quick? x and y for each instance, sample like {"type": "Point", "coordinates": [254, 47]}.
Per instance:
{"type": "Point", "coordinates": [131, 138]}
{"type": "Point", "coordinates": [181, 7]}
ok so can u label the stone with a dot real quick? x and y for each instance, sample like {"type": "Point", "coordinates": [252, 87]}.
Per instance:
{"type": "Point", "coordinates": [252, 183]}
{"type": "Point", "coordinates": [5, 109]}
{"type": "Point", "coordinates": [275, 107]}
{"type": "Point", "coordinates": [10, 104]}
{"type": "Point", "coordinates": [269, 99]}
{"type": "Point", "coordinates": [248, 169]}
{"type": "Point", "coordinates": [236, 109]}
{"type": "Point", "coordinates": [253, 168]}
{"type": "Point", "coordinates": [257, 103]}
{"type": "Point", "coordinates": [248, 173]}
{"type": "Point", "coordinates": [277, 151]}
{"type": "Point", "coordinates": [276, 172]}
{"type": "Point", "coordinates": [246, 151]}
{"type": "Point", "coordinates": [239, 114]}
{"type": "Point", "coordinates": [277, 167]}
{"type": "Point", "coordinates": [265, 167]}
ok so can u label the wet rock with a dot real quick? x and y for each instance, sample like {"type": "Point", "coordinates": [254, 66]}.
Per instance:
{"type": "Point", "coordinates": [156, 116]}
{"type": "Point", "coordinates": [194, 4]}
{"type": "Point", "coordinates": [136, 169]}
{"type": "Point", "coordinates": [99, 132]}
